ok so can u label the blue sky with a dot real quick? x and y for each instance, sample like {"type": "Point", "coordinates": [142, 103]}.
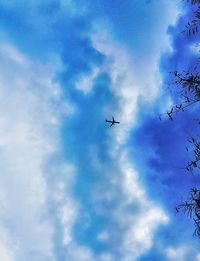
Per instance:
{"type": "Point", "coordinates": [73, 188]}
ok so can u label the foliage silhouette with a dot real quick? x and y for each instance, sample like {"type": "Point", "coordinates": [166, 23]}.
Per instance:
{"type": "Point", "coordinates": [192, 26]}
{"type": "Point", "coordinates": [191, 207]}
{"type": "Point", "coordinates": [193, 2]}
{"type": "Point", "coordinates": [187, 86]}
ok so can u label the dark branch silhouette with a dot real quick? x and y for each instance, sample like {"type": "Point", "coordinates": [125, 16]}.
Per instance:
{"type": "Point", "coordinates": [188, 86]}
{"type": "Point", "coordinates": [191, 28]}
{"type": "Point", "coordinates": [191, 207]}
{"type": "Point", "coordinates": [195, 147]}
{"type": "Point", "coordinates": [193, 2]}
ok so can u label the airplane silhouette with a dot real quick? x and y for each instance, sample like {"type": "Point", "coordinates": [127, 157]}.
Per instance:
{"type": "Point", "coordinates": [113, 122]}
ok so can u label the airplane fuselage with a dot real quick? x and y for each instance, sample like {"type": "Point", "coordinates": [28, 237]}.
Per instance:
{"type": "Point", "coordinates": [113, 121]}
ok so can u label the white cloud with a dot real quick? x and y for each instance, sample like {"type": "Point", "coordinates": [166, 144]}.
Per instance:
{"type": "Point", "coordinates": [106, 257]}
{"type": "Point", "coordinates": [103, 236]}
{"type": "Point", "coordinates": [140, 223]}
{"type": "Point", "coordinates": [6, 249]}
{"type": "Point", "coordinates": [133, 218]}
{"type": "Point", "coordinates": [85, 83]}
{"type": "Point", "coordinates": [77, 252]}
{"type": "Point", "coordinates": [30, 118]}
{"type": "Point", "coordinates": [67, 214]}
{"type": "Point", "coordinates": [182, 253]}
{"type": "Point", "coordinates": [176, 254]}
{"type": "Point", "coordinates": [31, 114]}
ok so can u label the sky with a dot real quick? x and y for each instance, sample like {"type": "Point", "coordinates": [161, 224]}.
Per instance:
{"type": "Point", "coordinates": [72, 187]}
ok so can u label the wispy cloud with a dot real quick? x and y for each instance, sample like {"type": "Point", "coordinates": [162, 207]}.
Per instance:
{"type": "Point", "coordinates": [29, 135]}
{"type": "Point", "coordinates": [181, 253]}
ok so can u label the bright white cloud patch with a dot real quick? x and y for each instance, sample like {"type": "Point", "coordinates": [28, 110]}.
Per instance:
{"type": "Point", "coordinates": [182, 253]}
{"type": "Point", "coordinates": [176, 253]}
{"type": "Point", "coordinates": [85, 83]}
{"type": "Point", "coordinates": [139, 231]}
{"type": "Point", "coordinates": [135, 216]}
{"type": "Point", "coordinates": [30, 119]}
{"type": "Point", "coordinates": [6, 252]}
{"type": "Point", "coordinates": [29, 122]}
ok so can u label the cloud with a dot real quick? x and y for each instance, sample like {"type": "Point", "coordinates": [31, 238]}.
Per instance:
{"type": "Point", "coordinates": [86, 82]}
{"type": "Point", "coordinates": [38, 208]}
{"type": "Point", "coordinates": [31, 111]}
{"type": "Point", "coordinates": [176, 254]}
{"type": "Point", "coordinates": [6, 252]}
{"type": "Point", "coordinates": [103, 236]}
{"type": "Point", "coordinates": [182, 253]}
{"type": "Point", "coordinates": [133, 217]}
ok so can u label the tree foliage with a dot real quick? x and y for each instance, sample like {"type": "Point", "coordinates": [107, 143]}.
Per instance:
{"type": "Point", "coordinates": [195, 162]}
{"type": "Point", "coordinates": [191, 207]}
{"type": "Point", "coordinates": [193, 2]}
{"type": "Point", "coordinates": [192, 26]}
{"type": "Point", "coordinates": [186, 83]}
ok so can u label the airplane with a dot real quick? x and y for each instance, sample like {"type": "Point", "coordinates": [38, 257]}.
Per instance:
{"type": "Point", "coordinates": [113, 121]}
